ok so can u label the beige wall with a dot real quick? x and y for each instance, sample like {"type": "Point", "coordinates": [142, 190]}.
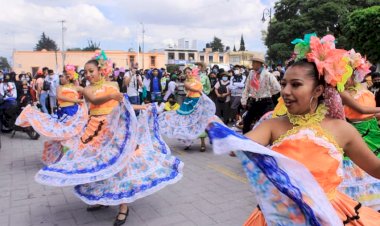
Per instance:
{"type": "Point", "coordinates": [24, 61]}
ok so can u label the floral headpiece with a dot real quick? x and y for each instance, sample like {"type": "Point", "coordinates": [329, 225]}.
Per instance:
{"type": "Point", "coordinates": [105, 63]}
{"type": "Point", "coordinates": [359, 64]}
{"type": "Point", "coordinates": [71, 72]}
{"type": "Point", "coordinates": [332, 63]}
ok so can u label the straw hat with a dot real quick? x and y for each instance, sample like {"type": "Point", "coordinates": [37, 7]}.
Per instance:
{"type": "Point", "coordinates": [257, 59]}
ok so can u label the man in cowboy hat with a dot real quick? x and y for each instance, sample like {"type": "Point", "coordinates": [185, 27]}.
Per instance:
{"type": "Point", "coordinates": [257, 95]}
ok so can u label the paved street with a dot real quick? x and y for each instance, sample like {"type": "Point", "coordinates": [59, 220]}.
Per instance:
{"type": "Point", "coordinates": [213, 191]}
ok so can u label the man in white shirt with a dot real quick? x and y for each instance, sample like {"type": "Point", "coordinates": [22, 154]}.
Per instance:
{"type": "Point", "coordinates": [52, 92]}
{"type": "Point", "coordinates": [172, 85]}
{"type": "Point", "coordinates": [8, 93]}
{"type": "Point", "coordinates": [132, 82]}
{"type": "Point", "coordinates": [257, 95]}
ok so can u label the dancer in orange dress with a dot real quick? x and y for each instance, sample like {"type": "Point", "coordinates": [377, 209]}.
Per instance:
{"type": "Point", "coordinates": [296, 182]}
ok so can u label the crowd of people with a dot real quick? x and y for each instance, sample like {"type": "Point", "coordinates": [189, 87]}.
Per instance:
{"type": "Point", "coordinates": [105, 126]}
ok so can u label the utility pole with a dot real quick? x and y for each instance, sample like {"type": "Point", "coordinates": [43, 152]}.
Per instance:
{"type": "Point", "coordinates": [143, 53]}
{"type": "Point", "coordinates": [63, 43]}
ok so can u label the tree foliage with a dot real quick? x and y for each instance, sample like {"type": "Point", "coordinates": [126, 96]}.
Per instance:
{"type": "Point", "coordinates": [242, 44]}
{"type": "Point", "coordinates": [216, 45]}
{"type": "Point", "coordinates": [294, 18]}
{"type": "Point", "coordinates": [4, 63]}
{"type": "Point", "coordinates": [46, 43]}
{"type": "Point", "coordinates": [92, 46]}
{"type": "Point", "coordinates": [361, 33]}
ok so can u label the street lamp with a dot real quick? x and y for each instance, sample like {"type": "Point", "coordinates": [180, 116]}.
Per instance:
{"type": "Point", "coordinates": [143, 34]}
{"type": "Point", "coordinates": [267, 12]}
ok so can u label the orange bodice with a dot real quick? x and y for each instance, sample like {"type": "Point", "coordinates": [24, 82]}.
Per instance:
{"type": "Point", "coordinates": [195, 84]}
{"type": "Point", "coordinates": [70, 92]}
{"type": "Point", "coordinates": [107, 107]}
{"type": "Point", "coordinates": [365, 98]}
{"type": "Point", "coordinates": [317, 151]}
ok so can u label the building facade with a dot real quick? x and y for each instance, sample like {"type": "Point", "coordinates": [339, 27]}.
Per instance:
{"type": "Point", "coordinates": [30, 61]}
{"type": "Point", "coordinates": [243, 57]}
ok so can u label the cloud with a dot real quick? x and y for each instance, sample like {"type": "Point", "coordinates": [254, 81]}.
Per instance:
{"type": "Point", "coordinates": [117, 24]}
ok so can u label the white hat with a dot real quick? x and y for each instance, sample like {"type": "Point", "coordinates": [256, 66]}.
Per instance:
{"type": "Point", "coordinates": [258, 59]}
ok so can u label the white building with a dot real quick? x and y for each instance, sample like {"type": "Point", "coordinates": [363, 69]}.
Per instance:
{"type": "Point", "coordinates": [184, 53]}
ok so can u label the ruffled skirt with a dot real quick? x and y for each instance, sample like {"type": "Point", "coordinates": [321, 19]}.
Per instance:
{"type": "Point", "coordinates": [350, 212]}
{"type": "Point", "coordinates": [147, 170]}
{"type": "Point", "coordinates": [357, 183]}
{"type": "Point", "coordinates": [190, 126]}
{"type": "Point", "coordinates": [117, 159]}
{"type": "Point", "coordinates": [71, 123]}
{"type": "Point", "coordinates": [286, 191]}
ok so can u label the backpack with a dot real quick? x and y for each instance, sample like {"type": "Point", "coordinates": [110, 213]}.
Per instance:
{"type": "Point", "coordinates": [46, 85]}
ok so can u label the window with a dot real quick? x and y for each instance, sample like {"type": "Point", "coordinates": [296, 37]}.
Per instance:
{"type": "Point", "coordinates": [131, 60]}
{"type": "Point", "coordinates": [152, 61]}
{"type": "Point", "coordinates": [220, 59]}
{"type": "Point", "coordinates": [171, 56]}
{"type": "Point", "coordinates": [210, 58]}
{"type": "Point", "coordinates": [202, 58]}
{"type": "Point", "coordinates": [181, 56]}
{"type": "Point", "coordinates": [191, 56]}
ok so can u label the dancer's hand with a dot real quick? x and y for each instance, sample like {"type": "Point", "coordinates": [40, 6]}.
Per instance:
{"type": "Point", "coordinates": [79, 101]}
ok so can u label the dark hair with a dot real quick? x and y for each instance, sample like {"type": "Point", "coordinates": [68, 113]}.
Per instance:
{"type": "Point", "coordinates": [94, 62]}
{"type": "Point", "coordinates": [50, 71]}
{"type": "Point", "coordinates": [45, 68]}
{"type": "Point", "coordinates": [186, 69]}
{"type": "Point", "coordinates": [375, 75]}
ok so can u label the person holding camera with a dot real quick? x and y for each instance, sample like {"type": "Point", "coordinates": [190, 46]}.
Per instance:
{"type": "Point", "coordinates": [132, 82]}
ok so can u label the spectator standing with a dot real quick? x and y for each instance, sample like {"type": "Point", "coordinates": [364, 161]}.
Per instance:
{"type": "Point", "coordinates": [181, 93]}
{"type": "Point", "coordinates": [223, 92]}
{"type": "Point", "coordinates": [53, 79]}
{"type": "Point", "coordinates": [132, 82]}
{"type": "Point", "coordinates": [237, 84]}
{"type": "Point", "coordinates": [172, 85]}
{"type": "Point", "coordinates": [42, 90]}
{"type": "Point", "coordinates": [257, 95]}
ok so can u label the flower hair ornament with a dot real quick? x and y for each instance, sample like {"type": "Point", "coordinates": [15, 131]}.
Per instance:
{"type": "Point", "coordinates": [359, 64]}
{"type": "Point", "coordinates": [333, 64]}
{"type": "Point", "coordinates": [71, 72]}
{"type": "Point", "coordinates": [105, 63]}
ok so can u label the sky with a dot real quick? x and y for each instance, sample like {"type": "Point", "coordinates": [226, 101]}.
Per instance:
{"type": "Point", "coordinates": [118, 24]}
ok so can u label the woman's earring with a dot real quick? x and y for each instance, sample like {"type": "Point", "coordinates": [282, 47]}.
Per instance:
{"type": "Point", "coordinates": [313, 109]}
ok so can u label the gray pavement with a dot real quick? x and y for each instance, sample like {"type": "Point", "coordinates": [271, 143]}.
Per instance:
{"type": "Point", "coordinates": [213, 191]}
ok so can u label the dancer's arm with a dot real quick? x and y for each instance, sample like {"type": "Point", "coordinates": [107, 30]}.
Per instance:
{"type": "Point", "coordinates": [358, 151]}
{"type": "Point", "coordinates": [348, 100]}
{"type": "Point", "coordinates": [139, 107]}
{"type": "Point", "coordinates": [66, 99]}
{"type": "Point", "coordinates": [262, 134]}
{"type": "Point", "coordinates": [188, 86]}
{"type": "Point", "coordinates": [88, 95]}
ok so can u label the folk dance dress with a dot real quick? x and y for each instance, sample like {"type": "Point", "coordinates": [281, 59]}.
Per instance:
{"type": "Point", "coordinates": [191, 119]}
{"type": "Point", "coordinates": [110, 163]}
{"type": "Point", "coordinates": [70, 122]}
{"type": "Point", "coordinates": [357, 183]}
{"type": "Point", "coordinates": [290, 185]}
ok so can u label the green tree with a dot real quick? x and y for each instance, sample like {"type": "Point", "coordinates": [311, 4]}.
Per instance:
{"type": "Point", "coordinates": [4, 63]}
{"type": "Point", "coordinates": [92, 46]}
{"type": "Point", "coordinates": [46, 43]}
{"type": "Point", "coordinates": [360, 33]}
{"type": "Point", "coordinates": [294, 18]}
{"type": "Point", "coordinates": [217, 45]}
{"type": "Point", "coordinates": [242, 44]}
